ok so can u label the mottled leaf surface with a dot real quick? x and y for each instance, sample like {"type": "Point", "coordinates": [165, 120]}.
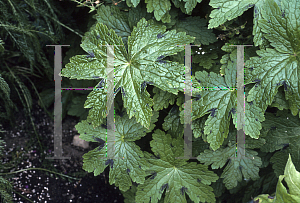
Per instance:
{"type": "Point", "coordinates": [128, 154]}
{"type": "Point", "coordinates": [175, 176]}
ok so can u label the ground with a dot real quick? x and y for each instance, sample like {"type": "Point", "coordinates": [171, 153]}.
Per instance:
{"type": "Point", "coordinates": [39, 186]}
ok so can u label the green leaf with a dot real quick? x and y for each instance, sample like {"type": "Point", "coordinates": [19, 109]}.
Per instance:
{"type": "Point", "coordinates": [227, 48]}
{"type": "Point", "coordinates": [179, 4]}
{"type": "Point", "coordinates": [190, 5]}
{"type": "Point", "coordinates": [253, 118]}
{"type": "Point", "coordinates": [226, 10]}
{"type": "Point", "coordinates": [252, 143]}
{"type": "Point", "coordinates": [199, 145]}
{"type": "Point", "coordinates": [292, 178]}
{"type": "Point", "coordinates": [278, 160]}
{"type": "Point", "coordinates": [283, 133]}
{"type": "Point", "coordinates": [282, 62]}
{"type": "Point", "coordinates": [81, 67]}
{"type": "Point", "coordinates": [113, 18]}
{"type": "Point", "coordinates": [129, 195]}
{"type": "Point", "coordinates": [257, 33]}
{"type": "Point", "coordinates": [196, 26]}
{"type": "Point", "coordinates": [76, 107]}
{"type": "Point", "coordinates": [291, 193]}
{"type": "Point", "coordinates": [179, 102]}
{"type": "Point", "coordinates": [133, 2]}
{"type": "Point", "coordinates": [266, 182]}
{"type": "Point", "coordinates": [179, 57]}
{"type": "Point", "coordinates": [162, 99]}
{"type": "Point", "coordinates": [136, 14]}
{"type": "Point", "coordinates": [47, 97]}
{"type": "Point", "coordinates": [282, 128]}
{"type": "Point", "coordinates": [161, 9]}
{"type": "Point", "coordinates": [96, 100]}
{"type": "Point", "coordinates": [172, 122]}
{"type": "Point", "coordinates": [207, 60]}
{"type": "Point", "coordinates": [279, 100]}
{"type": "Point", "coordinates": [147, 42]}
{"type": "Point", "coordinates": [198, 126]}
{"type": "Point", "coordinates": [131, 164]}
{"type": "Point", "coordinates": [236, 168]}
{"type": "Point", "coordinates": [186, 6]}
{"type": "Point", "coordinates": [176, 176]}
{"type": "Point", "coordinates": [218, 187]}
{"type": "Point", "coordinates": [222, 101]}
{"type": "Point", "coordinates": [219, 99]}
{"type": "Point", "coordinates": [174, 15]}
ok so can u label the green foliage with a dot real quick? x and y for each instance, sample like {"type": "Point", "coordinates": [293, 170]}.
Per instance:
{"type": "Point", "coordinates": [282, 128]}
{"type": "Point", "coordinates": [131, 68]}
{"type": "Point", "coordinates": [160, 8]}
{"type": "Point", "coordinates": [5, 190]}
{"type": "Point", "coordinates": [222, 101]}
{"type": "Point", "coordinates": [206, 60]}
{"type": "Point", "coordinates": [227, 10]}
{"type": "Point", "coordinates": [196, 26]}
{"type": "Point", "coordinates": [148, 55]}
{"type": "Point", "coordinates": [114, 19]}
{"type": "Point", "coordinates": [28, 36]}
{"type": "Point", "coordinates": [124, 169]}
{"type": "Point", "coordinates": [162, 99]}
{"type": "Point", "coordinates": [25, 29]}
{"type": "Point", "coordinates": [72, 101]}
{"type": "Point", "coordinates": [172, 123]}
{"type": "Point", "coordinates": [235, 169]}
{"type": "Point", "coordinates": [285, 194]}
{"type": "Point", "coordinates": [149, 93]}
{"type": "Point", "coordinates": [6, 95]}
{"type": "Point", "coordinates": [129, 195]}
{"type": "Point", "coordinates": [283, 56]}
{"type": "Point", "coordinates": [175, 175]}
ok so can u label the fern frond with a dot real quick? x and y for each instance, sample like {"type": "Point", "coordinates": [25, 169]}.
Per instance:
{"type": "Point", "coordinates": [1, 46]}
{"type": "Point", "coordinates": [5, 94]}
{"type": "Point", "coordinates": [4, 87]}
{"type": "Point", "coordinates": [5, 196]}
{"type": "Point", "coordinates": [25, 91]}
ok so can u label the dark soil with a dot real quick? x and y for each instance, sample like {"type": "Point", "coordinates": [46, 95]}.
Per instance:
{"type": "Point", "coordinates": [41, 186]}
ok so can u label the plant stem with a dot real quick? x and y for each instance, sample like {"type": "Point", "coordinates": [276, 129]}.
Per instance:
{"type": "Point", "coordinates": [23, 196]}
{"type": "Point", "coordinates": [39, 169]}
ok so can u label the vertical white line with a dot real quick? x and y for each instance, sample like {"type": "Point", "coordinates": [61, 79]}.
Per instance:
{"type": "Point", "coordinates": [57, 105]}
{"type": "Point", "coordinates": [110, 99]}
{"type": "Point", "coordinates": [188, 104]}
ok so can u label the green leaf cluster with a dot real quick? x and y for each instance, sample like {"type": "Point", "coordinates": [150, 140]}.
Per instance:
{"type": "Point", "coordinates": [149, 89]}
